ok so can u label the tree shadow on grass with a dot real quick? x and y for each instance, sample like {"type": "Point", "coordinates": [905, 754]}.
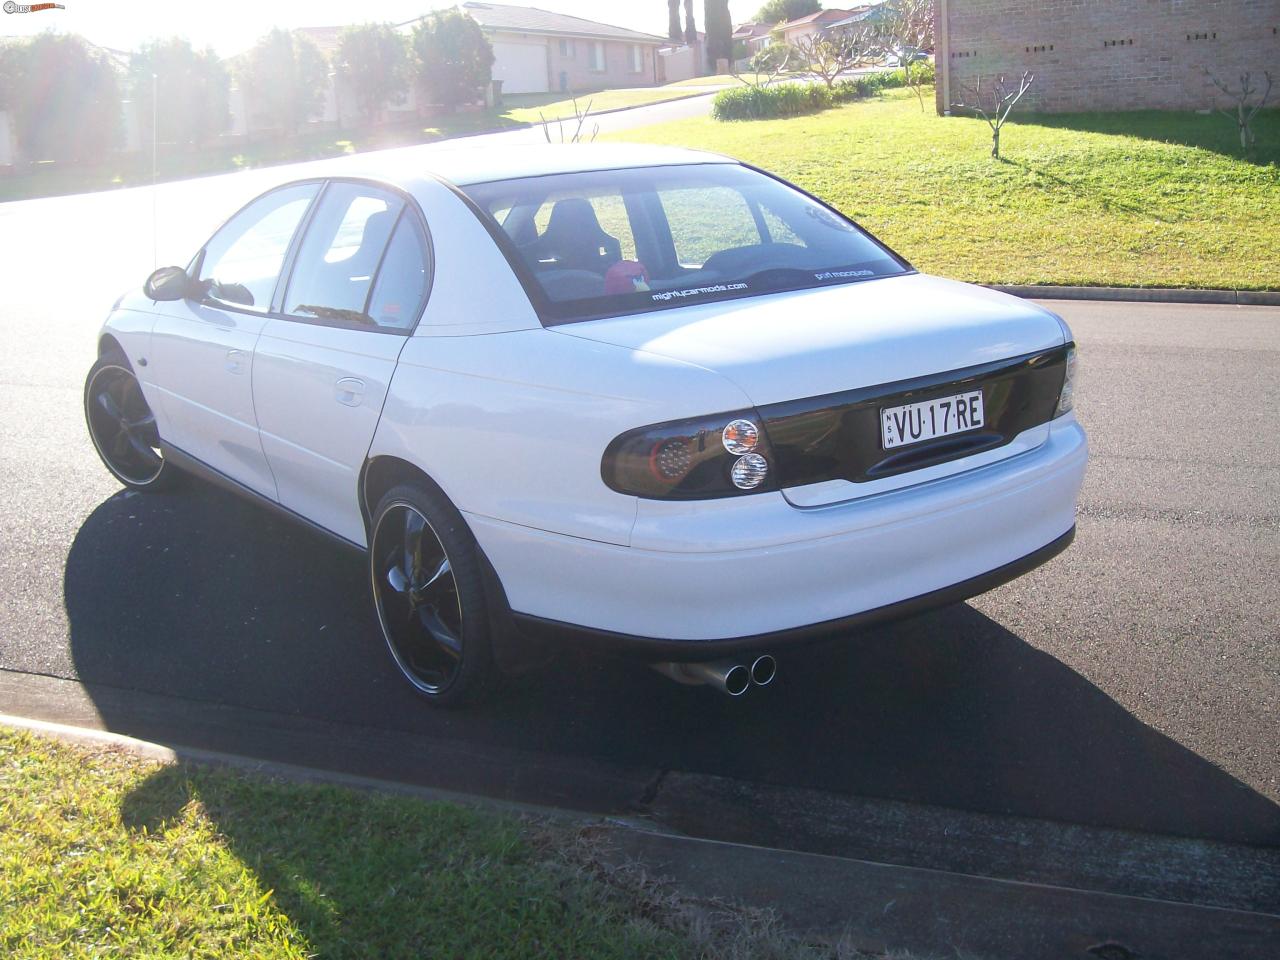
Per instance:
{"type": "Point", "coordinates": [1212, 132]}
{"type": "Point", "coordinates": [361, 874]}
{"type": "Point", "coordinates": [1089, 192]}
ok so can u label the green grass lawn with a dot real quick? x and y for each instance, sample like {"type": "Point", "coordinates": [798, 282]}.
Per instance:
{"type": "Point", "coordinates": [104, 855]}
{"type": "Point", "coordinates": [1136, 199]}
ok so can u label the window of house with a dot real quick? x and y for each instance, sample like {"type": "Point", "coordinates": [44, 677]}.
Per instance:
{"type": "Point", "coordinates": [566, 48]}
{"type": "Point", "coordinates": [637, 58]}
{"type": "Point", "coordinates": [597, 56]}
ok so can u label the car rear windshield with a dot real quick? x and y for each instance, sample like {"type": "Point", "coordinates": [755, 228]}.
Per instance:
{"type": "Point", "coordinates": [607, 243]}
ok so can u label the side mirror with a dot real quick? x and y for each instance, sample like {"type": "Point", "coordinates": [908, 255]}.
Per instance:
{"type": "Point", "coordinates": [167, 283]}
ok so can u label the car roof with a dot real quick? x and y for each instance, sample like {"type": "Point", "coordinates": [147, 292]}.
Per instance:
{"type": "Point", "coordinates": [464, 165]}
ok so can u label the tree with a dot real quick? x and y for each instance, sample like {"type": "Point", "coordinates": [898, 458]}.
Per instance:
{"type": "Point", "coordinates": [995, 103]}
{"type": "Point", "coordinates": [67, 99]}
{"type": "Point", "coordinates": [284, 77]}
{"type": "Point", "coordinates": [902, 30]}
{"type": "Point", "coordinates": [719, 28]}
{"type": "Point", "coordinates": [777, 11]}
{"type": "Point", "coordinates": [674, 33]}
{"type": "Point", "coordinates": [580, 115]}
{"type": "Point", "coordinates": [831, 55]}
{"type": "Point", "coordinates": [373, 58]}
{"type": "Point", "coordinates": [11, 67]}
{"type": "Point", "coordinates": [454, 60]}
{"type": "Point", "coordinates": [190, 88]}
{"type": "Point", "coordinates": [690, 27]}
{"type": "Point", "coordinates": [764, 68]}
{"type": "Point", "coordinates": [1244, 109]}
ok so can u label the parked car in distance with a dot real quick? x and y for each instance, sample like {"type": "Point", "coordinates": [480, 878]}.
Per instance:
{"type": "Point", "coordinates": [651, 399]}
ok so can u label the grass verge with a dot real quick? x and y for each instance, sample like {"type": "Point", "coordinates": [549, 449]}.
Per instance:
{"type": "Point", "coordinates": [103, 854]}
{"type": "Point", "coordinates": [1134, 199]}
{"type": "Point", "coordinates": [562, 107]}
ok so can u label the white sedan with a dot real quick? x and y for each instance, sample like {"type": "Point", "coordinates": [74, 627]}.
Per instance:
{"type": "Point", "coordinates": [650, 399]}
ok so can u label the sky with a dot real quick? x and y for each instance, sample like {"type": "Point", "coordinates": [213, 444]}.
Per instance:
{"type": "Point", "coordinates": [230, 26]}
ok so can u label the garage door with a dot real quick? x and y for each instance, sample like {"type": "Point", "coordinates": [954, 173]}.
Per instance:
{"type": "Point", "coordinates": [522, 67]}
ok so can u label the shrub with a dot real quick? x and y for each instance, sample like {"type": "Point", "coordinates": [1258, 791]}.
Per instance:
{"type": "Point", "coordinates": [794, 99]}
{"type": "Point", "coordinates": [922, 72]}
{"type": "Point", "coordinates": [759, 103]}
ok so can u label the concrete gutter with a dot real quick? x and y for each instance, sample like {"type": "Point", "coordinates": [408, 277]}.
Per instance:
{"type": "Point", "coordinates": [159, 753]}
{"type": "Point", "coordinates": [1256, 298]}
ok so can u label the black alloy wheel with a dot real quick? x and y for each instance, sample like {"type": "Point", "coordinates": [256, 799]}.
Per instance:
{"type": "Point", "coordinates": [123, 427]}
{"type": "Point", "coordinates": [429, 595]}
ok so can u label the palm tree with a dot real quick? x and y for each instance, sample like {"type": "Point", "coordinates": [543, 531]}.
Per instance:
{"type": "Point", "coordinates": [719, 30]}
{"type": "Point", "coordinates": [673, 21]}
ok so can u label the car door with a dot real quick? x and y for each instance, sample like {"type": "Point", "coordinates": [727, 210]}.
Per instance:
{"type": "Point", "coordinates": [202, 350]}
{"type": "Point", "coordinates": [322, 365]}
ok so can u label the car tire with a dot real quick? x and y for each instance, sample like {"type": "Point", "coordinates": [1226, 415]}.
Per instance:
{"type": "Point", "coordinates": [123, 428]}
{"type": "Point", "coordinates": [429, 597]}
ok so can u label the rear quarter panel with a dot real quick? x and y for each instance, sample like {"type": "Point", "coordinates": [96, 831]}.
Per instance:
{"type": "Point", "coordinates": [513, 426]}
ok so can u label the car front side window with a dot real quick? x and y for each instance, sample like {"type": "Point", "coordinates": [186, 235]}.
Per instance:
{"type": "Point", "coordinates": [241, 263]}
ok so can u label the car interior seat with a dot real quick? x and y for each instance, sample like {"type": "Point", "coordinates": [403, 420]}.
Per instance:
{"type": "Point", "coordinates": [574, 239]}
{"type": "Point", "coordinates": [344, 284]}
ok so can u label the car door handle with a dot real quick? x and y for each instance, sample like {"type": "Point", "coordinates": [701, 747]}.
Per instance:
{"type": "Point", "coordinates": [350, 391]}
{"type": "Point", "coordinates": [235, 361]}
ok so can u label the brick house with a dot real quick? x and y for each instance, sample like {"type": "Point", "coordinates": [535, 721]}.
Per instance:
{"type": "Point", "coordinates": [814, 24]}
{"type": "Point", "coordinates": [1106, 54]}
{"type": "Point", "coordinates": [753, 37]}
{"type": "Point", "coordinates": [536, 51]}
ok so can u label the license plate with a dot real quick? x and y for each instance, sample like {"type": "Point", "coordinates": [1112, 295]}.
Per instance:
{"type": "Point", "coordinates": [917, 422]}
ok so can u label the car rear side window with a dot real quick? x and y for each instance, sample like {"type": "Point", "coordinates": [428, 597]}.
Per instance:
{"type": "Point", "coordinates": [607, 243]}
{"type": "Point", "coordinates": [402, 281]}
{"type": "Point", "coordinates": [345, 240]}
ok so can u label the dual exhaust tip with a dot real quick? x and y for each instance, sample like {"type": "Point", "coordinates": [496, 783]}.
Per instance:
{"type": "Point", "coordinates": [732, 677]}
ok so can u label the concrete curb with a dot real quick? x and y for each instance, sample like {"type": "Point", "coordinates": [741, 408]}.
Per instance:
{"type": "Point", "coordinates": [147, 750]}
{"type": "Point", "coordinates": [881, 909]}
{"type": "Point", "coordinates": [1253, 298]}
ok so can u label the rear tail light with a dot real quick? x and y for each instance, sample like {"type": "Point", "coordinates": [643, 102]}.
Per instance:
{"type": "Point", "coordinates": [740, 437]}
{"type": "Point", "coordinates": [719, 456]}
{"type": "Point", "coordinates": [1066, 399]}
{"type": "Point", "coordinates": [749, 472]}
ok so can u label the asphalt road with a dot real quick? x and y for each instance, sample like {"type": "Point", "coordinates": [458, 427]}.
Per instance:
{"type": "Point", "coordinates": [1132, 682]}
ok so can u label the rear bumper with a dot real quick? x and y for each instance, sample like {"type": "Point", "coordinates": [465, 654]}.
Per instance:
{"type": "Point", "coordinates": [557, 632]}
{"type": "Point", "coordinates": [757, 571]}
